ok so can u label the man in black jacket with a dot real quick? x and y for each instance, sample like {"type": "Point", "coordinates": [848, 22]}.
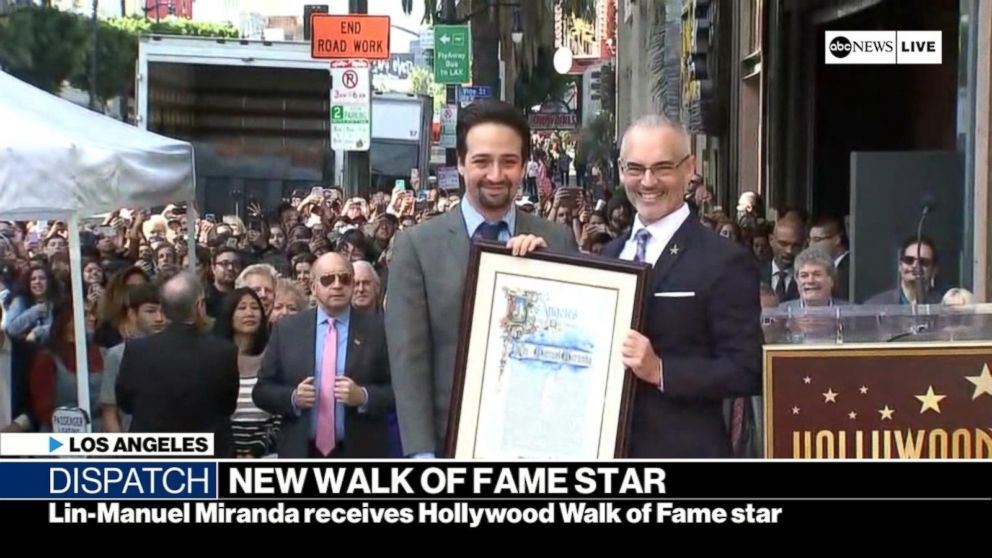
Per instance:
{"type": "Point", "coordinates": [181, 380]}
{"type": "Point", "coordinates": [701, 342]}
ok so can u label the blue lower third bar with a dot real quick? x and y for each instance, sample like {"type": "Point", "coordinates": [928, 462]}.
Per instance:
{"type": "Point", "coordinates": [111, 480]}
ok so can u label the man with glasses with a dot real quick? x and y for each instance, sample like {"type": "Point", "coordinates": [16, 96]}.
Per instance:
{"type": "Point", "coordinates": [829, 235]}
{"type": "Point", "coordinates": [227, 267]}
{"type": "Point", "coordinates": [327, 372]}
{"type": "Point", "coordinates": [915, 261]}
{"type": "Point", "coordinates": [702, 341]}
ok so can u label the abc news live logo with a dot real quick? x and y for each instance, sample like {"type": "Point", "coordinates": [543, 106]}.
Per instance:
{"type": "Point", "coordinates": [883, 47]}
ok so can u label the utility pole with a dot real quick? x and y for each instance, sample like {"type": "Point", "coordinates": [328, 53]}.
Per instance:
{"type": "Point", "coordinates": [94, 53]}
{"type": "Point", "coordinates": [449, 16]}
{"type": "Point", "coordinates": [357, 171]}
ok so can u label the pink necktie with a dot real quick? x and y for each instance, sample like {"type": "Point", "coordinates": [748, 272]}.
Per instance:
{"type": "Point", "coordinates": [325, 399]}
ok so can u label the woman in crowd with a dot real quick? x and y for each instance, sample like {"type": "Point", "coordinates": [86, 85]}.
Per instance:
{"type": "Point", "coordinates": [262, 279]}
{"type": "Point", "coordinates": [242, 320]}
{"type": "Point", "coordinates": [32, 303]}
{"type": "Point", "coordinates": [52, 381]}
{"type": "Point", "coordinates": [290, 299]}
{"type": "Point", "coordinates": [729, 229]}
{"type": "Point", "coordinates": [111, 309]}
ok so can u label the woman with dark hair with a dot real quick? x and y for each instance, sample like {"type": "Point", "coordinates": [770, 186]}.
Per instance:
{"type": "Point", "coordinates": [241, 319]}
{"type": "Point", "coordinates": [94, 280]}
{"type": "Point", "coordinates": [52, 380]}
{"type": "Point", "coordinates": [111, 310]}
{"type": "Point", "coordinates": [727, 228]}
{"type": "Point", "coordinates": [354, 246]}
{"type": "Point", "coordinates": [93, 273]}
{"type": "Point", "coordinates": [32, 303]}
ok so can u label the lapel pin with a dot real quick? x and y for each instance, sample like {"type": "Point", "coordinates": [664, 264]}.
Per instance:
{"type": "Point", "coordinates": [358, 342]}
{"type": "Point", "coordinates": [674, 250]}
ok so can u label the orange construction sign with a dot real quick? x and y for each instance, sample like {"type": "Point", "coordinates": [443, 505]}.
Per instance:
{"type": "Point", "coordinates": [349, 36]}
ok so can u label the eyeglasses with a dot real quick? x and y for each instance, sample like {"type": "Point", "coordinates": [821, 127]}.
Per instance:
{"type": "Point", "coordinates": [911, 260]}
{"type": "Point", "coordinates": [662, 170]}
{"type": "Point", "coordinates": [328, 279]}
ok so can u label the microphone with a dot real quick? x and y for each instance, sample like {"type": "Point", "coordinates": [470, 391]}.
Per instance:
{"type": "Point", "coordinates": [928, 205]}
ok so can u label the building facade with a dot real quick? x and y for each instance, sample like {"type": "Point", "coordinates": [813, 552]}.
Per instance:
{"type": "Point", "coordinates": [869, 143]}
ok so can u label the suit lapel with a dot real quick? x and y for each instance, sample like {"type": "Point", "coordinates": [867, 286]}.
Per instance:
{"type": "Point", "coordinates": [524, 224]}
{"type": "Point", "coordinates": [458, 243]}
{"type": "Point", "coordinates": [309, 358]}
{"type": "Point", "coordinates": [680, 243]}
{"type": "Point", "coordinates": [615, 246]}
{"type": "Point", "coordinates": [356, 345]}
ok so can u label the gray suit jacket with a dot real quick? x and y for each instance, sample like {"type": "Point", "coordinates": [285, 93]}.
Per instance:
{"type": "Point", "coordinates": [423, 311]}
{"type": "Point", "coordinates": [892, 297]}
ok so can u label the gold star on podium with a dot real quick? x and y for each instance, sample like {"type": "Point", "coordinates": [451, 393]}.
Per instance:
{"type": "Point", "coordinates": [830, 396]}
{"type": "Point", "coordinates": [930, 400]}
{"type": "Point", "coordinates": [795, 410]}
{"type": "Point", "coordinates": [886, 413]}
{"type": "Point", "coordinates": [864, 390]}
{"type": "Point", "coordinates": [983, 383]}
{"type": "Point", "coordinates": [852, 415]}
{"type": "Point", "coordinates": [807, 380]}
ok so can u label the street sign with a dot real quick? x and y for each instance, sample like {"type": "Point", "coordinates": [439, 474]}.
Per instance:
{"type": "Point", "coordinates": [351, 105]}
{"type": "Point", "coordinates": [427, 38]}
{"type": "Point", "coordinates": [309, 10]}
{"type": "Point", "coordinates": [349, 36]}
{"type": "Point", "coordinates": [468, 94]}
{"type": "Point", "coordinates": [449, 123]}
{"type": "Point", "coordinates": [68, 420]}
{"type": "Point", "coordinates": [452, 48]}
{"type": "Point", "coordinates": [447, 178]}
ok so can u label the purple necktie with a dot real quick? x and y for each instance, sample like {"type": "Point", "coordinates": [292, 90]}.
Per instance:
{"type": "Point", "coordinates": [642, 237]}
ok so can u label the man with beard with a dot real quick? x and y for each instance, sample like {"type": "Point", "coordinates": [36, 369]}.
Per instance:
{"type": "Point", "coordinates": [227, 267]}
{"type": "Point", "coordinates": [428, 267]}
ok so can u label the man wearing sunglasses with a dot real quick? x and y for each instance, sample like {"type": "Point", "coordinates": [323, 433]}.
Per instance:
{"type": "Point", "coordinates": [915, 261]}
{"type": "Point", "coordinates": [327, 372]}
{"type": "Point", "coordinates": [427, 271]}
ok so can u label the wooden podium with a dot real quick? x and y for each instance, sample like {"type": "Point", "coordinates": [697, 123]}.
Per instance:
{"type": "Point", "coordinates": [878, 401]}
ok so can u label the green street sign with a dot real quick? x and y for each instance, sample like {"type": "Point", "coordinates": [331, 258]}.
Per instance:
{"type": "Point", "coordinates": [452, 54]}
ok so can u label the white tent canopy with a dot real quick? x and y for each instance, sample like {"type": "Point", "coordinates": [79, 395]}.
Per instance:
{"type": "Point", "coordinates": [62, 161]}
{"type": "Point", "coordinates": [57, 159]}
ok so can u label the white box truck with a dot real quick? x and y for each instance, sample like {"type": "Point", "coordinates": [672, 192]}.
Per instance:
{"type": "Point", "coordinates": [258, 116]}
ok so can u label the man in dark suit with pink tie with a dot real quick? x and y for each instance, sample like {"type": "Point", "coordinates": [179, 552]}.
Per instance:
{"type": "Point", "coordinates": [327, 372]}
{"type": "Point", "coordinates": [703, 328]}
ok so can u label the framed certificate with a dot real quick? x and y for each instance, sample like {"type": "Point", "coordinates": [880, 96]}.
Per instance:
{"type": "Point", "coordinates": [539, 372]}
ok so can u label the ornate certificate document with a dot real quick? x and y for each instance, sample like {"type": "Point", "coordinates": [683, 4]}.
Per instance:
{"type": "Point", "coordinates": [539, 371]}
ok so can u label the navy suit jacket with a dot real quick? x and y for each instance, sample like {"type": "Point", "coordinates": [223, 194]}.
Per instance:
{"type": "Point", "coordinates": [709, 344]}
{"type": "Point", "coordinates": [289, 358]}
